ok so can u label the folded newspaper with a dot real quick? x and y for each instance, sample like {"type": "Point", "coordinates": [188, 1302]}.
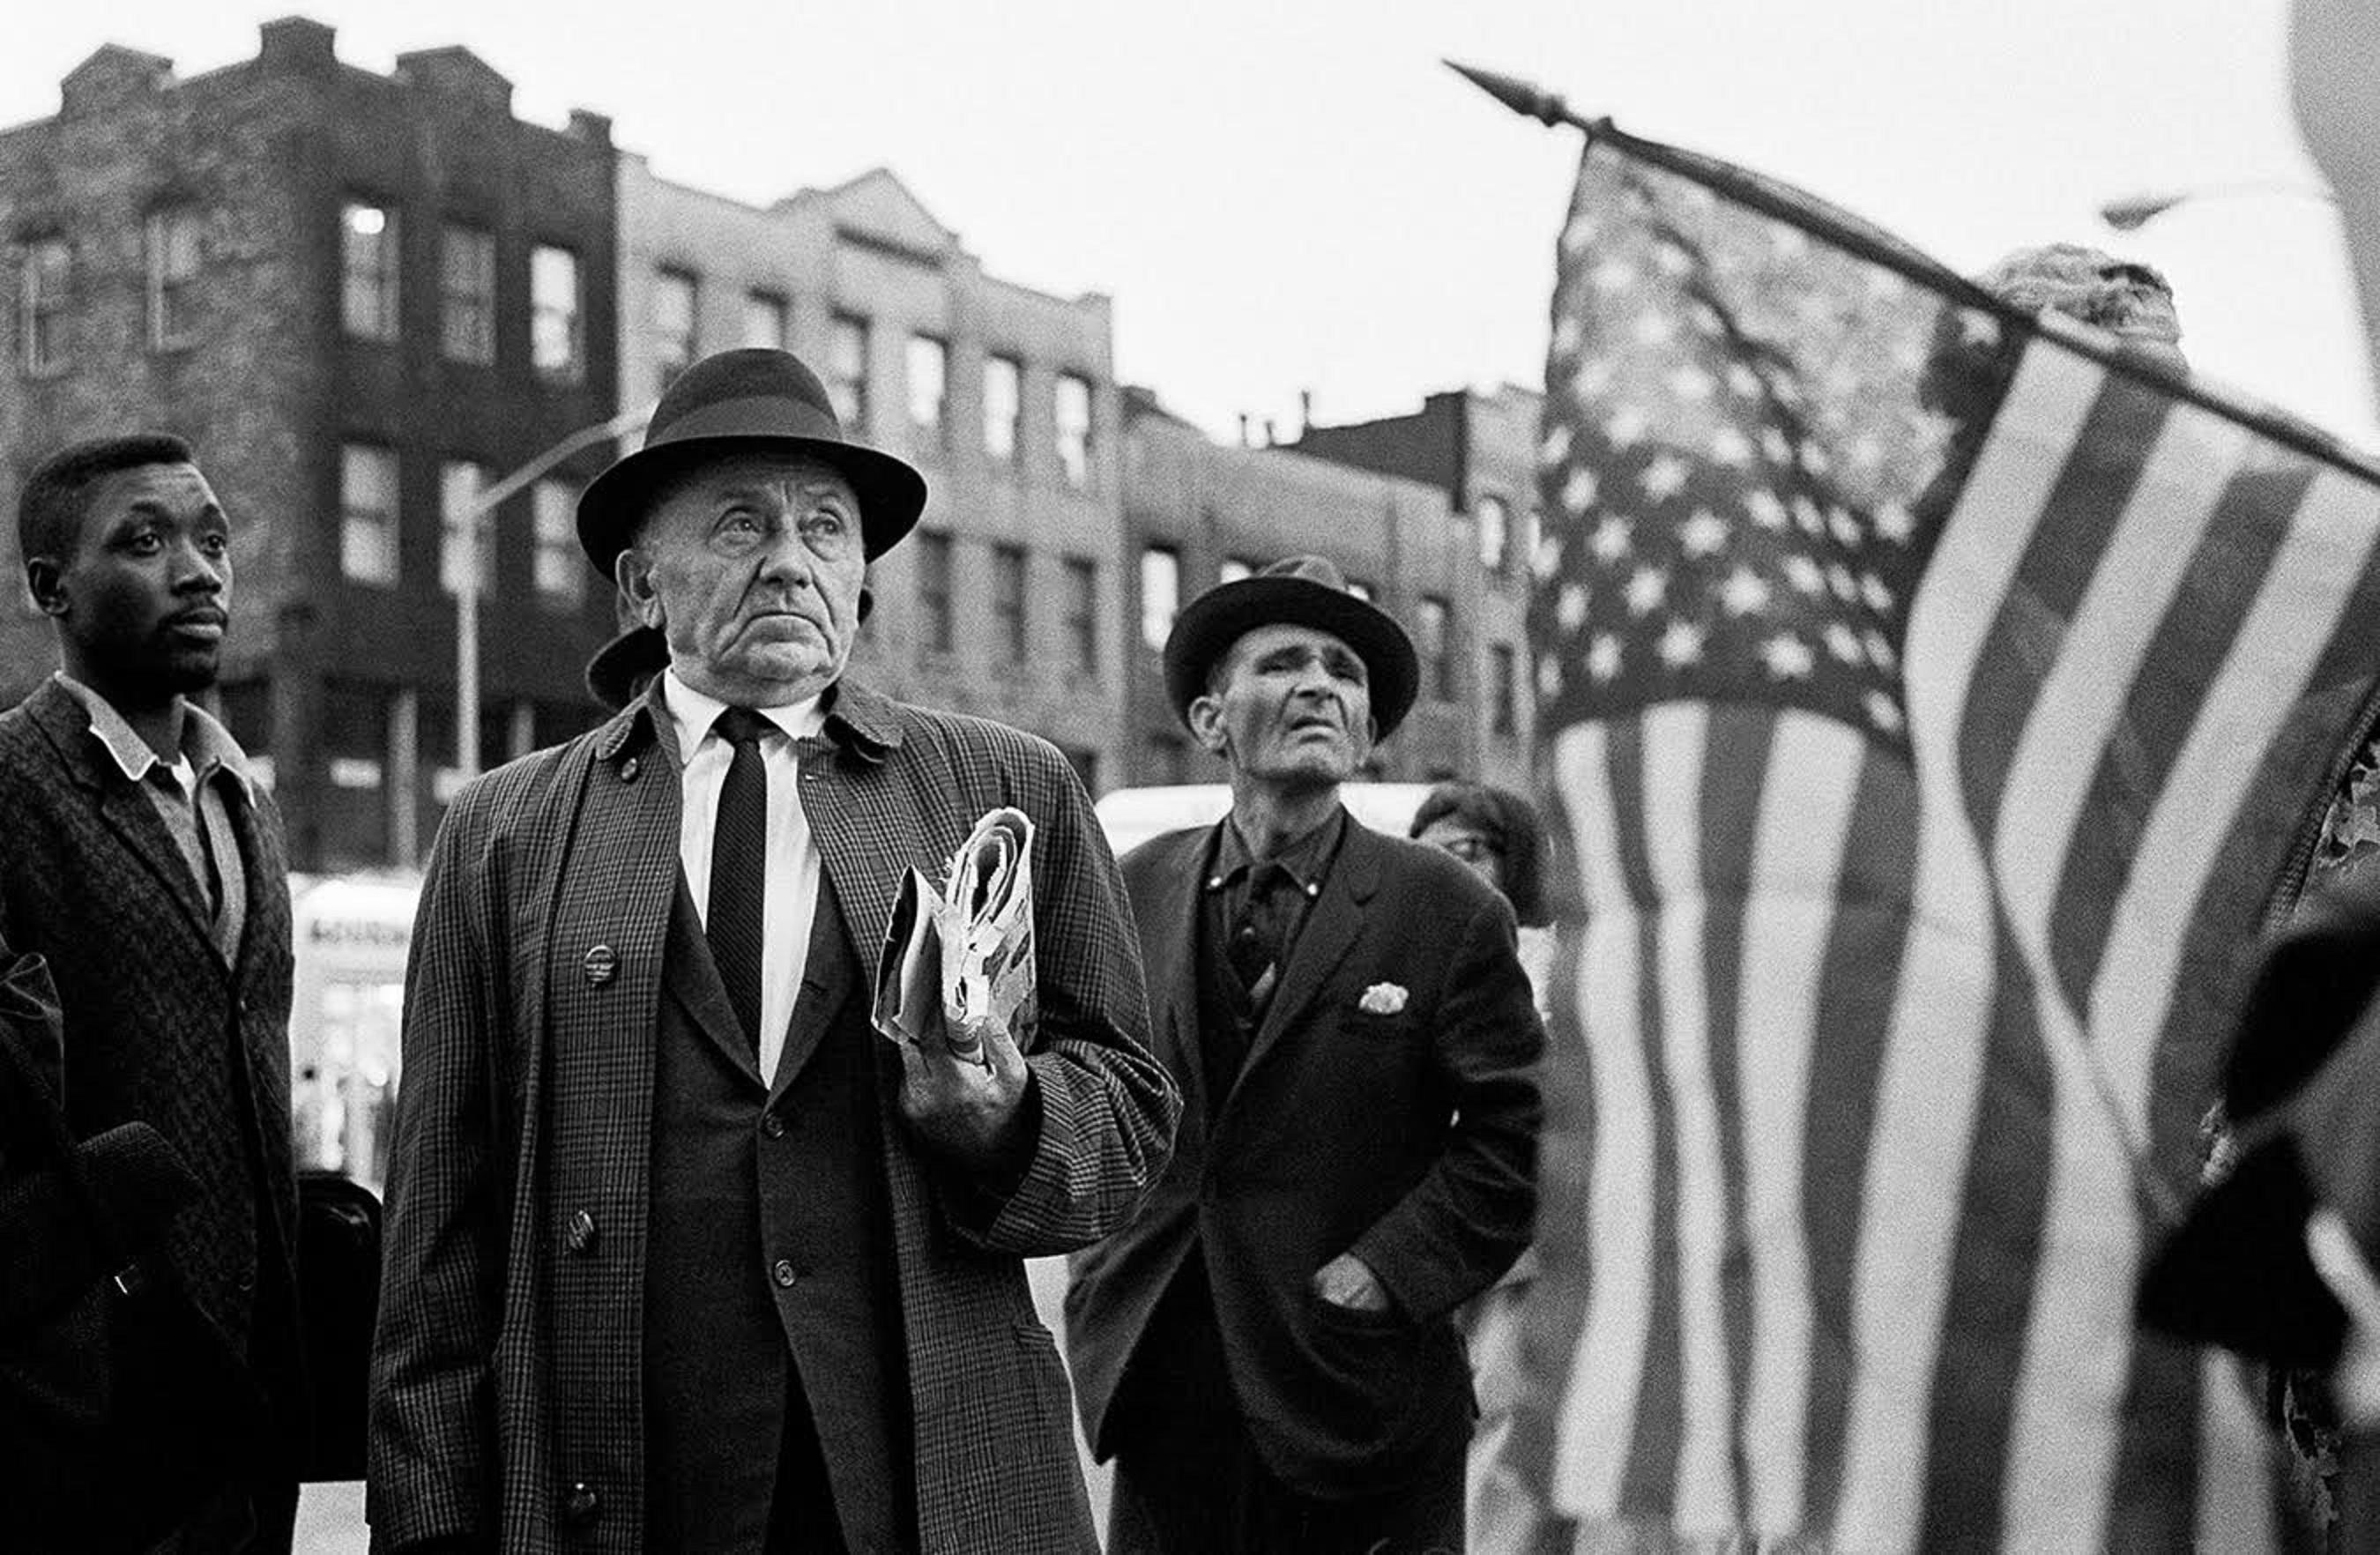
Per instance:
{"type": "Point", "coordinates": [965, 945]}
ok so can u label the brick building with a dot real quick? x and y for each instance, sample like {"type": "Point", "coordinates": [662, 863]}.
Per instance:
{"type": "Point", "coordinates": [1478, 450]}
{"type": "Point", "coordinates": [1198, 514]}
{"type": "Point", "coordinates": [1006, 600]}
{"type": "Point", "coordinates": [361, 297]}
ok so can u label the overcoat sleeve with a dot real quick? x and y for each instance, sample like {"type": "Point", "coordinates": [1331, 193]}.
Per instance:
{"type": "Point", "coordinates": [1107, 1107]}
{"type": "Point", "coordinates": [434, 1475]}
{"type": "Point", "coordinates": [1472, 1214]}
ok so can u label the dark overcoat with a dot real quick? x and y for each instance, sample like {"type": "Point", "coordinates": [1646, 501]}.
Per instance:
{"type": "Point", "coordinates": [1388, 1107]}
{"type": "Point", "coordinates": [160, 1028]}
{"type": "Point", "coordinates": [508, 1374]}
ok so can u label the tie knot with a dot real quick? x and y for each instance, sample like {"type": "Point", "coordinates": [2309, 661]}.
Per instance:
{"type": "Point", "coordinates": [741, 727]}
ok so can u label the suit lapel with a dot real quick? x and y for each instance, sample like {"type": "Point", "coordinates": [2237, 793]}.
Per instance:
{"type": "Point", "coordinates": [692, 979]}
{"type": "Point", "coordinates": [827, 977]}
{"type": "Point", "coordinates": [124, 811]}
{"type": "Point", "coordinates": [1331, 930]}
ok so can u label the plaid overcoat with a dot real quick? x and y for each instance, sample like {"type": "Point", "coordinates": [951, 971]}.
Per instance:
{"type": "Point", "coordinates": [159, 1026]}
{"type": "Point", "coordinates": [507, 1375]}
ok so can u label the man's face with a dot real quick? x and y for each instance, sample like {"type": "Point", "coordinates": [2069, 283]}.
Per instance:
{"type": "Point", "coordinates": [144, 598]}
{"type": "Point", "coordinates": [1292, 707]}
{"type": "Point", "coordinates": [751, 566]}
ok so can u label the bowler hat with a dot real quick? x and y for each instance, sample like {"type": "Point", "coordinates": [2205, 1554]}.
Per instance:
{"type": "Point", "coordinates": [1295, 591]}
{"type": "Point", "coordinates": [754, 398]}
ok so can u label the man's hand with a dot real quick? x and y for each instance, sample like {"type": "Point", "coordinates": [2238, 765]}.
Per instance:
{"type": "Point", "coordinates": [964, 1097]}
{"type": "Point", "coordinates": [1346, 1281]}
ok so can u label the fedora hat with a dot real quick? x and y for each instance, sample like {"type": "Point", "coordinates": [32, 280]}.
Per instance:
{"type": "Point", "coordinates": [1295, 591]}
{"type": "Point", "coordinates": [732, 402]}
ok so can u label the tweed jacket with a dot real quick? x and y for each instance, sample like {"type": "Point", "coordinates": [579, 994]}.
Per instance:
{"type": "Point", "coordinates": [159, 1027]}
{"type": "Point", "coordinates": [507, 1384]}
{"type": "Point", "coordinates": [1388, 1107]}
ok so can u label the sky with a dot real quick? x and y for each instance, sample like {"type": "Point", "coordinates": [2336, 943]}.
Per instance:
{"type": "Point", "coordinates": [1287, 195]}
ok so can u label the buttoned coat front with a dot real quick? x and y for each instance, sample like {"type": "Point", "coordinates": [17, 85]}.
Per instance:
{"type": "Point", "coordinates": [507, 1374]}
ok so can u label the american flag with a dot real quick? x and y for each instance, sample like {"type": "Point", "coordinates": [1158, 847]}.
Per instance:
{"type": "Point", "coordinates": [1933, 699]}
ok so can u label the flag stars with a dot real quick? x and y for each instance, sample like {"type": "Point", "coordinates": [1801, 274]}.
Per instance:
{"type": "Point", "coordinates": [1873, 590]}
{"type": "Point", "coordinates": [1549, 680]}
{"type": "Point", "coordinates": [1578, 237]}
{"type": "Point", "coordinates": [1603, 658]}
{"type": "Point", "coordinates": [1895, 522]}
{"type": "Point", "coordinates": [1593, 378]}
{"type": "Point", "coordinates": [1611, 275]}
{"type": "Point", "coordinates": [1743, 381]}
{"type": "Point", "coordinates": [1655, 327]}
{"type": "Point", "coordinates": [1647, 588]}
{"type": "Point", "coordinates": [1567, 336]}
{"type": "Point", "coordinates": [1765, 508]}
{"type": "Point", "coordinates": [1978, 328]}
{"type": "Point", "coordinates": [1664, 478]}
{"type": "Point", "coordinates": [1777, 446]}
{"type": "Point", "coordinates": [1787, 657]}
{"type": "Point", "coordinates": [1842, 642]}
{"type": "Point", "coordinates": [1681, 643]}
{"type": "Point", "coordinates": [1556, 446]}
{"type": "Point", "coordinates": [1840, 579]}
{"type": "Point", "coordinates": [1729, 446]}
{"type": "Point", "coordinates": [1570, 608]}
{"type": "Point", "coordinates": [1692, 384]}
{"type": "Point", "coordinates": [1883, 711]}
{"type": "Point", "coordinates": [1804, 575]}
{"type": "Point", "coordinates": [1578, 491]}
{"type": "Point", "coordinates": [1842, 525]}
{"type": "Point", "coordinates": [1627, 427]}
{"type": "Point", "coordinates": [1704, 534]}
{"type": "Point", "coordinates": [1744, 593]}
{"type": "Point", "coordinates": [1879, 649]}
{"type": "Point", "coordinates": [1610, 543]}
{"type": "Point", "coordinates": [1806, 515]}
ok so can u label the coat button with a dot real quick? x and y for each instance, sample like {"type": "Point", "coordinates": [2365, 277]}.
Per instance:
{"type": "Point", "coordinates": [773, 1126]}
{"type": "Point", "coordinates": [783, 1272]}
{"type": "Point", "coordinates": [582, 1503]}
{"type": "Point", "coordinates": [630, 767]}
{"type": "Point", "coordinates": [601, 964]}
{"type": "Point", "coordinates": [579, 1233]}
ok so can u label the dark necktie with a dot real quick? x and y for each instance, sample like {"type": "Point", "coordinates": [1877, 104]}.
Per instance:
{"type": "Point", "coordinates": [739, 867]}
{"type": "Point", "coordinates": [1256, 940]}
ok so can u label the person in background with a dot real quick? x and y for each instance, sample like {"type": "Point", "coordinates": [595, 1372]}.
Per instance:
{"type": "Point", "coordinates": [1497, 833]}
{"type": "Point", "coordinates": [141, 857]}
{"type": "Point", "coordinates": [1267, 1351]}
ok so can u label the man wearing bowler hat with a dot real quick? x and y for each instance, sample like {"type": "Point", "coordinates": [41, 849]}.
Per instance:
{"type": "Point", "coordinates": [1267, 1350]}
{"type": "Point", "coordinates": [682, 1256]}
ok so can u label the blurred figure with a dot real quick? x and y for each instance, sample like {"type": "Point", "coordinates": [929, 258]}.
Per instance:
{"type": "Point", "coordinates": [139, 856]}
{"type": "Point", "coordinates": [1267, 1350]}
{"type": "Point", "coordinates": [1496, 833]}
{"type": "Point", "coordinates": [2130, 301]}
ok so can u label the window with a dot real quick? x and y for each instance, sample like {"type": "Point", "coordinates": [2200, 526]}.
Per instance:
{"type": "Point", "coordinates": [560, 570]}
{"type": "Point", "coordinates": [1430, 618]}
{"type": "Point", "coordinates": [465, 535]}
{"type": "Point", "coordinates": [1073, 408]}
{"type": "Point", "coordinates": [1235, 568]}
{"type": "Point", "coordinates": [1160, 593]}
{"type": "Point", "coordinates": [41, 304]}
{"type": "Point", "coordinates": [764, 318]}
{"type": "Point", "coordinates": [466, 295]}
{"type": "Point", "coordinates": [934, 592]}
{"type": "Point", "coordinates": [367, 513]}
{"type": "Point", "coordinates": [368, 260]}
{"type": "Point", "coordinates": [847, 372]}
{"type": "Point", "coordinates": [1495, 532]}
{"type": "Point", "coordinates": [556, 343]}
{"type": "Point", "coordinates": [674, 312]}
{"type": "Point", "coordinates": [1082, 613]}
{"type": "Point", "coordinates": [173, 258]}
{"type": "Point", "coordinates": [1004, 408]}
{"type": "Point", "coordinates": [1503, 717]}
{"type": "Point", "coordinates": [1008, 601]}
{"type": "Point", "coordinates": [929, 387]}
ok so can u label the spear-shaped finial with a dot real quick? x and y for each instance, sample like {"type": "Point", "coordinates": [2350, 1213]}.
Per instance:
{"type": "Point", "coordinates": [1530, 101]}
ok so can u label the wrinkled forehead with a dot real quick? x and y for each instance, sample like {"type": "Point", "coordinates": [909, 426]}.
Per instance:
{"type": "Point", "coordinates": [1257, 641]}
{"type": "Point", "coordinates": [721, 477]}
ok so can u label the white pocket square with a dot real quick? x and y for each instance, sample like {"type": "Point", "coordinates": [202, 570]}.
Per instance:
{"type": "Point", "coordinates": [1382, 999]}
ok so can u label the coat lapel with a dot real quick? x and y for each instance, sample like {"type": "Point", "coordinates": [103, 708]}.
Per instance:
{"type": "Point", "coordinates": [1331, 929]}
{"type": "Point", "coordinates": [827, 980]}
{"type": "Point", "coordinates": [1174, 968]}
{"type": "Point", "coordinates": [121, 806]}
{"type": "Point", "coordinates": [691, 977]}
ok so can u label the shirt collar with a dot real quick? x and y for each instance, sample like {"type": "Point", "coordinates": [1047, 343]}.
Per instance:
{"type": "Point", "coordinates": [206, 743]}
{"type": "Point", "coordinates": [1307, 857]}
{"type": "Point", "coordinates": [694, 711]}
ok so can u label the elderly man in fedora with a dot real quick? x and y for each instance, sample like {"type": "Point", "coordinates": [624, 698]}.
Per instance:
{"type": "Point", "coordinates": [1267, 1350]}
{"type": "Point", "coordinates": [682, 1256]}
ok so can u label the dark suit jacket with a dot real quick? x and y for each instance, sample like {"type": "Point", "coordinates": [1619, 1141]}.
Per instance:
{"type": "Point", "coordinates": [158, 1028]}
{"type": "Point", "coordinates": [1405, 1135]}
{"type": "Point", "coordinates": [507, 1374]}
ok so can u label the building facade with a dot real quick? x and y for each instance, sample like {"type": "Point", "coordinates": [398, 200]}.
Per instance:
{"type": "Point", "coordinates": [363, 298]}
{"type": "Point", "coordinates": [1198, 514]}
{"type": "Point", "coordinates": [1478, 451]}
{"type": "Point", "coordinates": [1006, 600]}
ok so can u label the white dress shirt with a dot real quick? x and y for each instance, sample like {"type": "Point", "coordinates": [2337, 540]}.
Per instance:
{"type": "Point", "coordinates": [791, 857]}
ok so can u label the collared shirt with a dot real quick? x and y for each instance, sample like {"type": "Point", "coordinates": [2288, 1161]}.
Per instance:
{"type": "Point", "coordinates": [188, 793]}
{"type": "Point", "coordinates": [1274, 902]}
{"type": "Point", "coordinates": [790, 859]}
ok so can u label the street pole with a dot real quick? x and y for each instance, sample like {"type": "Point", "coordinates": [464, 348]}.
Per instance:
{"type": "Point", "coordinates": [467, 595]}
